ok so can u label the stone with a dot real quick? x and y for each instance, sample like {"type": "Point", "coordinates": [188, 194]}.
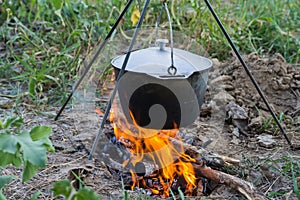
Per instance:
{"type": "Point", "coordinates": [236, 132]}
{"type": "Point", "coordinates": [238, 116]}
{"type": "Point", "coordinates": [256, 123]}
{"type": "Point", "coordinates": [235, 111]}
{"type": "Point", "coordinates": [221, 79]}
{"type": "Point", "coordinates": [223, 97]}
{"type": "Point", "coordinates": [216, 62]}
{"type": "Point", "coordinates": [266, 141]}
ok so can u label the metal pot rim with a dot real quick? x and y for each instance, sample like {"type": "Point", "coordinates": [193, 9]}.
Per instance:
{"type": "Point", "coordinates": [155, 61]}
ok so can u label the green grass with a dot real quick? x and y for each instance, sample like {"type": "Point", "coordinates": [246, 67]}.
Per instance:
{"type": "Point", "coordinates": [288, 166]}
{"type": "Point", "coordinates": [265, 27]}
{"type": "Point", "coordinates": [282, 167]}
{"type": "Point", "coordinates": [43, 42]}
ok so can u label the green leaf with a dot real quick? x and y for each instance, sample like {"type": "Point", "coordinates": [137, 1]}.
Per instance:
{"type": "Point", "coordinates": [13, 121]}
{"type": "Point", "coordinates": [17, 122]}
{"type": "Point", "coordinates": [62, 187]}
{"type": "Point", "coordinates": [33, 151]}
{"type": "Point", "coordinates": [31, 86]}
{"type": "Point", "coordinates": [86, 194]}
{"type": "Point", "coordinates": [8, 143]}
{"type": "Point", "coordinates": [42, 133]}
{"type": "Point", "coordinates": [36, 195]}
{"type": "Point", "coordinates": [1, 125]}
{"type": "Point", "coordinates": [29, 146]}
{"type": "Point", "coordinates": [47, 142]}
{"type": "Point", "coordinates": [2, 197]}
{"type": "Point", "coordinates": [5, 180]}
{"type": "Point", "coordinates": [8, 158]}
{"type": "Point", "coordinates": [29, 171]}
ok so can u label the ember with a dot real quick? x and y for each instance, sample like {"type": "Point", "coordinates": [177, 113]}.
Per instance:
{"type": "Point", "coordinates": [170, 161]}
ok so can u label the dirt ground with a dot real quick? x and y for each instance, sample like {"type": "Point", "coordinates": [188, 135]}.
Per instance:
{"type": "Point", "coordinates": [231, 134]}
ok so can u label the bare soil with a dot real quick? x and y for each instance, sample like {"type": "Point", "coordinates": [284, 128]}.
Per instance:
{"type": "Point", "coordinates": [230, 135]}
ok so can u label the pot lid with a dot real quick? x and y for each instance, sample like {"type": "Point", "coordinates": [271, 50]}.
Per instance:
{"type": "Point", "coordinates": [155, 61]}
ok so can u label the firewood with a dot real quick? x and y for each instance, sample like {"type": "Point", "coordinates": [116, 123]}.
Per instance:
{"type": "Point", "coordinates": [112, 163]}
{"type": "Point", "coordinates": [236, 183]}
{"type": "Point", "coordinates": [200, 153]}
{"type": "Point", "coordinates": [204, 156]}
{"type": "Point", "coordinates": [205, 167]}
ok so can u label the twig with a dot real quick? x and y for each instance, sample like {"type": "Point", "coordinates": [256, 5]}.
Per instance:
{"type": "Point", "coordinates": [272, 185]}
{"type": "Point", "coordinates": [61, 165]}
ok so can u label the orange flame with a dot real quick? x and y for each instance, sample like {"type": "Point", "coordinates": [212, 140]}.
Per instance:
{"type": "Point", "coordinates": [144, 143]}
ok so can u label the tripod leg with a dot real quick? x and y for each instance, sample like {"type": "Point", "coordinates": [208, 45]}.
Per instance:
{"type": "Point", "coordinates": [88, 67]}
{"type": "Point", "coordinates": [107, 110]}
{"type": "Point", "coordinates": [249, 73]}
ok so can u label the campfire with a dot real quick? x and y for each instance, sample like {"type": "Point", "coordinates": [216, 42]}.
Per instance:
{"type": "Point", "coordinates": [173, 167]}
{"type": "Point", "coordinates": [150, 104]}
{"type": "Point", "coordinates": [161, 163]}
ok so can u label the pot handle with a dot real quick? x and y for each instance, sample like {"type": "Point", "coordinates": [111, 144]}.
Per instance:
{"type": "Point", "coordinates": [172, 70]}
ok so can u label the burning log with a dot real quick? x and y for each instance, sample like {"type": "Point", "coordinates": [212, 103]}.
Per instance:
{"type": "Point", "coordinates": [199, 153]}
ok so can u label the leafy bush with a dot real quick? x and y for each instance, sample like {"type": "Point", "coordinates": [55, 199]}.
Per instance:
{"type": "Point", "coordinates": [19, 147]}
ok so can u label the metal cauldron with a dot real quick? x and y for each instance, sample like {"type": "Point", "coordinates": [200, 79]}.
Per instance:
{"type": "Point", "coordinates": [154, 95]}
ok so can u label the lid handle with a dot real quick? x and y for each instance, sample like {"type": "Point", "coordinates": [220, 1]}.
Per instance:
{"type": "Point", "coordinates": [162, 43]}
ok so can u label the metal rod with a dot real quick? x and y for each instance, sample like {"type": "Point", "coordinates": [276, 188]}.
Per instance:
{"type": "Point", "coordinates": [107, 110]}
{"type": "Point", "coordinates": [171, 34]}
{"type": "Point", "coordinates": [88, 67]}
{"type": "Point", "coordinates": [165, 6]}
{"type": "Point", "coordinates": [158, 24]}
{"type": "Point", "coordinates": [249, 73]}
